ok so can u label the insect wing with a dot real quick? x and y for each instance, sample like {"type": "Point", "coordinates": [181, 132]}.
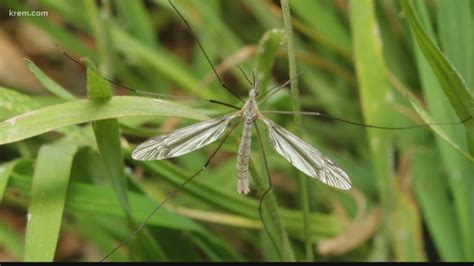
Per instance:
{"type": "Point", "coordinates": [183, 140]}
{"type": "Point", "coordinates": [304, 157]}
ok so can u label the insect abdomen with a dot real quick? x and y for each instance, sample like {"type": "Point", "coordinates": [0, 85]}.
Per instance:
{"type": "Point", "coordinates": [243, 158]}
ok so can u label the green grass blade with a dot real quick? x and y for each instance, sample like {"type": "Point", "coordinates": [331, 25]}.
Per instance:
{"type": "Point", "coordinates": [323, 18]}
{"type": "Point", "coordinates": [433, 197]}
{"type": "Point", "coordinates": [15, 102]}
{"type": "Point", "coordinates": [374, 97]}
{"type": "Point", "coordinates": [107, 135]}
{"type": "Point", "coordinates": [265, 56]}
{"type": "Point", "coordinates": [158, 58]}
{"type": "Point", "coordinates": [303, 181]}
{"type": "Point", "coordinates": [10, 240]}
{"type": "Point", "coordinates": [440, 130]}
{"type": "Point", "coordinates": [100, 200]}
{"type": "Point", "coordinates": [136, 20]}
{"type": "Point", "coordinates": [6, 171]}
{"type": "Point", "coordinates": [324, 225]}
{"type": "Point", "coordinates": [60, 115]}
{"type": "Point", "coordinates": [48, 83]}
{"type": "Point", "coordinates": [456, 41]}
{"type": "Point", "coordinates": [453, 85]}
{"type": "Point", "coordinates": [48, 196]}
{"type": "Point", "coordinates": [430, 63]}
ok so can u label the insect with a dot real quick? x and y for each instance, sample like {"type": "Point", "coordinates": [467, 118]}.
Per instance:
{"type": "Point", "coordinates": [299, 153]}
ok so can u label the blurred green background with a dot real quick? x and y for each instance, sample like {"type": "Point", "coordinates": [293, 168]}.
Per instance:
{"type": "Point", "coordinates": [69, 190]}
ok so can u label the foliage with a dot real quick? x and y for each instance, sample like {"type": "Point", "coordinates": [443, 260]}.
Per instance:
{"type": "Point", "coordinates": [65, 152]}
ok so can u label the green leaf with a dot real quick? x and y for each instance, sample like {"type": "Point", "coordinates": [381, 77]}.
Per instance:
{"type": "Point", "coordinates": [15, 102]}
{"type": "Point", "coordinates": [60, 115]}
{"type": "Point", "coordinates": [446, 96]}
{"type": "Point", "coordinates": [433, 197]}
{"type": "Point", "coordinates": [454, 86]}
{"type": "Point", "coordinates": [87, 199]}
{"type": "Point", "coordinates": [267, 47]}
{"type": "Point", "coordinates": [10, 240]}
{"type": "Point", "coordinates": [375, 95]}
{"type": "Point", "coordinates": [48, 83]}
{"type": "Point", "coordinates": [48, 195]}
{"type": "Point", "coordinates": [323, 18]}
{"type": "Point", "coordinates": [6, 171]}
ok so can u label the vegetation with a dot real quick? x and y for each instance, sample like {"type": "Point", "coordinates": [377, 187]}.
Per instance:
{"type": "Point", "coordinates": [69, 189]}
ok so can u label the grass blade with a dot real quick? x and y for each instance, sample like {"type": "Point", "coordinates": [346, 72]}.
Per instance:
{"type": "Point", "coordinates": [48, 196]}
{"type": "Point", "coordinates": [433, 197]}
{"type": "Point", "coordinates": [48, 83]}
{"type": "Point", "coordinates": [446, 95]}
{"type": "Point", "coordinates": [60, 115]}
{"type": "Point", "coordinates": [6, 171]}
{"type": "Point", "coordinates": [453, 85]}
{"type": "Point", "coordinates": [302, 179]}
{"type": "Point", "coordinates": [374, 98]}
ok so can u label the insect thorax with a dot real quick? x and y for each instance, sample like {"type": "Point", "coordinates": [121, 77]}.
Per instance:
{"type": "Point", "coordinates": [250, 111]}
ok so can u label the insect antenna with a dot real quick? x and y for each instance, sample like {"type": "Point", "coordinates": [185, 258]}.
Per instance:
{"type": "Point", "coordinates": [204, 52]}
{"type": "Point", "coordinates": [367, 125]}
{"type": "Point", "coordinates": [265, 193]}
{"type": "Point", "coordinates": [171, 195]}
{"type": "Point", "coordinates": [148, 93]}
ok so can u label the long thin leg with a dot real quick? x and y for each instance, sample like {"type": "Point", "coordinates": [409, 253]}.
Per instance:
{"type": "Point", "coordinates": [171, 195]}
{"type": "Point", "coordinates": [265, 193]}
{"type": "Point", "coordinates": [366, 125]}
{"type": "Point", "coordinates": [148, 93]}
{"type": "Point", "coordinates": [204, 52]}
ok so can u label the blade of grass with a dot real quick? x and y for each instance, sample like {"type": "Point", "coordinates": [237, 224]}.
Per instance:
{"type": "Point", "coordinates": [6, 170]}
{"type": "Point", "coordinates": [136, 20]}
{"type": "Point", "coordinates": [60, 115]}
{"type": "Point", "coordinates": [48, 83]}
{"type": "Point", "coordinates": [446, 95]}
{"type": "Point", "coordinates": [453, 20]}
{"type": "Point", "coordinates": [453, 85]}
{"type": "Point", "coordinates": [374, 99]}
{"type": "Point", "coordinates": [108, 140]}
{"type": "Point", "coordinates": [10, 240]}
{"type": "Point", "coordinates": [108, 137]}
{"type": "Point", "coordinates": [324, 225]}
{"type": "Point", "coordinates": [433, 197]}
{"type": "Point", "coordinates": [407, 237]}
{"type": "Point", "coordinates": [427, 118]}
{"type": "Point", "coordinates": [265, 56]}
{"type": "Point", "coordinates": [87, 199]}
{"type": "Point", "coordinates": [302, 180]}
{"type": "Point", "coordinates": [320, 16]}
{"type": "Point", "coordinates": [48, 195]}
{"type": "Point", "coordinates": [15, 102]}
{"type": "Point", "coordinates": [98, 20]}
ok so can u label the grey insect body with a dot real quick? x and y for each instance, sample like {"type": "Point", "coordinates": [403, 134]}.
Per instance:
{"type": "Point", "coordinates": [249, 114]}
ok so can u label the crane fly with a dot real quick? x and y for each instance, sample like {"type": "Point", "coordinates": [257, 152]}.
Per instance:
{"type": "Point", "coordinates": [299, 153]}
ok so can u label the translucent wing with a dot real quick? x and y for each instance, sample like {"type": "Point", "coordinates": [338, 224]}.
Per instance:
{"type": "Point", "coordinates": [306, 158]}
{"type": "Point", "coordinates": [183, 140]}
